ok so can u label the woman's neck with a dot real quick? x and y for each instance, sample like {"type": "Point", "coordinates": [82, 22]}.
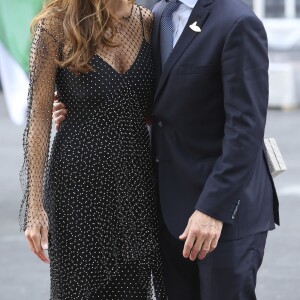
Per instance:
{"type": "Point", "coordinates": [121, 8]}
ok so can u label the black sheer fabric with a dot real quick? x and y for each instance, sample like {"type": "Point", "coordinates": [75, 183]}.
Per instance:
{"type": "Point", "coordinates": [95, 190]}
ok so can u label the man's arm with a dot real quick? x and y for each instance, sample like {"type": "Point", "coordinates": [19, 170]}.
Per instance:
{"type": "Point", "coordinates": [245, 82]}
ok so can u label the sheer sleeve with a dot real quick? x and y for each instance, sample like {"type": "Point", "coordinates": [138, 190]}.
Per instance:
{"type": "Point", "coordinates": [148, 20]}
{"type": "Point", "coordinates": [43, 66]}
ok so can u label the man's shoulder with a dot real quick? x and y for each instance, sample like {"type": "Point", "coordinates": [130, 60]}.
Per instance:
{"type": "Point", "coordinates": [228, 13]}
{"type": "Point", "coordinates": [234, 10]}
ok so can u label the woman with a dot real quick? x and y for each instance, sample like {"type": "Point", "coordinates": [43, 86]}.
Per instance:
{"type": "Point", "coordinates": [95, 194]}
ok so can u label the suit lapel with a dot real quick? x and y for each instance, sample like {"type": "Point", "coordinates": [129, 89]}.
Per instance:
{"type": "Point", "coordinates": [200, 14]}
{"type": "Point", "coordinates": [157, 11]}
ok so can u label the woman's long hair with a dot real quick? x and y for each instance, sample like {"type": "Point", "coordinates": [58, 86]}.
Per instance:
{"type": "Point", "coordinates": [85, 26]}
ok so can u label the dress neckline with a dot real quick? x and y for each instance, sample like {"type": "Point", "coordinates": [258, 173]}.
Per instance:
{"type": "Point", "coordinates": [132, 65]}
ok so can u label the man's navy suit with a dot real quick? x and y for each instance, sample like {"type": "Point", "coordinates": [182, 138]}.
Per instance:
{"type": "Point", "coordinates": [209, 116]}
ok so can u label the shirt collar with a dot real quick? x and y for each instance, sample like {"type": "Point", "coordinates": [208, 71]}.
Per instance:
{"type": "Point", "coordinates": [189, 3]}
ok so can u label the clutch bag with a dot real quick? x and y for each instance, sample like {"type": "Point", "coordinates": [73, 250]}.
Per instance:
{"type": "Point", "coordinates": [274, 157]}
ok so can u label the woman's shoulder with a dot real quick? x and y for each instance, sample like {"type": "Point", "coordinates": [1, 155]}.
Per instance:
{"type": "Point", "coordinates": [52, 24]}
{"type": "Point", "coordinates": [147, 15]}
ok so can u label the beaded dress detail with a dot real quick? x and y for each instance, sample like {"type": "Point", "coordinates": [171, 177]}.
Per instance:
{"type": "Point", "coordinates": [95, 190]}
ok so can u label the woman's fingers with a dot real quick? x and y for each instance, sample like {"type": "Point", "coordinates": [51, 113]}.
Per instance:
{"type": "Point", "coordinates": [29, 240]}
{"type": "Point", "coordinates": [34, 238]}
{"type": "Point", "coordinates": [44, 238]}
{"type": "Point", "coordinates": [44, 242]}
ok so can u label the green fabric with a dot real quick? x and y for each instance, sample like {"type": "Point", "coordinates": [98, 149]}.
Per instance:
{"type": "Point", "coordinates": [15, 19]}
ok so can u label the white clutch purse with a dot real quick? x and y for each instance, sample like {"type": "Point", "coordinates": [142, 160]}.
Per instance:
{"type": "Point", "coordinates": [274, 157]}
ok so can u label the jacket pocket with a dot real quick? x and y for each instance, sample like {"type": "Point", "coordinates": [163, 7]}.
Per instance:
{"type": "Point", "coordinates": [191, 70]}
{"type": "Point", "coordinates": [207, 159]}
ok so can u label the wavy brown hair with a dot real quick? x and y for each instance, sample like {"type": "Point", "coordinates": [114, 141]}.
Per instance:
{"type": "Point", "coordinates": [85, 24]}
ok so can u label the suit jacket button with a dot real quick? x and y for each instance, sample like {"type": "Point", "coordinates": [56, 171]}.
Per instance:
{"type": "Point", "coordinates": [160, 124]}
{"type": "Point", "coordinates": [157, 159]}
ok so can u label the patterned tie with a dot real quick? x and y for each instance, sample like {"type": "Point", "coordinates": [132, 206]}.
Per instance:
{"type": "Point", "coordinates": [166, 31]}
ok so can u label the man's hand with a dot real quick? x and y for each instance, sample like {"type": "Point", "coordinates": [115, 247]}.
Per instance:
{"type": "Point", "coordinates": [59, 113]}
{"type": "Point", "coordinates": [201, 235]}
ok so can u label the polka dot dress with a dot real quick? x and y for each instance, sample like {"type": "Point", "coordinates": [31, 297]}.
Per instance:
{"type": "Point", "coordinates": [95, 189]}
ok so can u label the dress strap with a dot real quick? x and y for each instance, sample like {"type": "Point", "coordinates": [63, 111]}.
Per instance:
{"type": "Point", "coordinates": [142, 22]}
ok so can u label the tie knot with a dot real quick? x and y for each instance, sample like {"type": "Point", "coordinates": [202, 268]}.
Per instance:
{"type": "Point", "coordinates": [171, 7]}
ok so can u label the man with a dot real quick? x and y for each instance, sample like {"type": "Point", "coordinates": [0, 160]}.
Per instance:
{"type": "Point", "coordinates": [218, 199]}
{"type": "Point", "coordinates": [146, 3]}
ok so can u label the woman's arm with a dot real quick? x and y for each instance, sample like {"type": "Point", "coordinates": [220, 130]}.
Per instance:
{"type": "Point", "coordinates": [43, 56]}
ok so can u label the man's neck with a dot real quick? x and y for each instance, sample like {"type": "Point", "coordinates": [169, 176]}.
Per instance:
{"type": "Point", "coordinates": [189, 3]}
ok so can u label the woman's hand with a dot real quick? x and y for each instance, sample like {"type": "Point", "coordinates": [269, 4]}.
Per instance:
{"type": "Point", "coordinates": [37, 237]}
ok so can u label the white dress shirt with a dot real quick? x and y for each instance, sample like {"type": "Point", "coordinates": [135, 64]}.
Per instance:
{"type": "Point", "coordinates": [180, 18]}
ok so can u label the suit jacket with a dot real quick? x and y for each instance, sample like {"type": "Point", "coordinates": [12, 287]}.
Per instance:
{"type": "Point", "coordinates": [209, 116]}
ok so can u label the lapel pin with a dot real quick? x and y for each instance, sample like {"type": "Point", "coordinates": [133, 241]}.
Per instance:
{"type": "Point", "coordinates": [195, 27]}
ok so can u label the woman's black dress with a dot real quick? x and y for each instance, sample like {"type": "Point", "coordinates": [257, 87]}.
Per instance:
{"type": "Point", "coordinates": [97, 186]}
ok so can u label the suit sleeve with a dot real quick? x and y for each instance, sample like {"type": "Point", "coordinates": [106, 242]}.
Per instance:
{"type": "Point", "coordinates": [245, 84]}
